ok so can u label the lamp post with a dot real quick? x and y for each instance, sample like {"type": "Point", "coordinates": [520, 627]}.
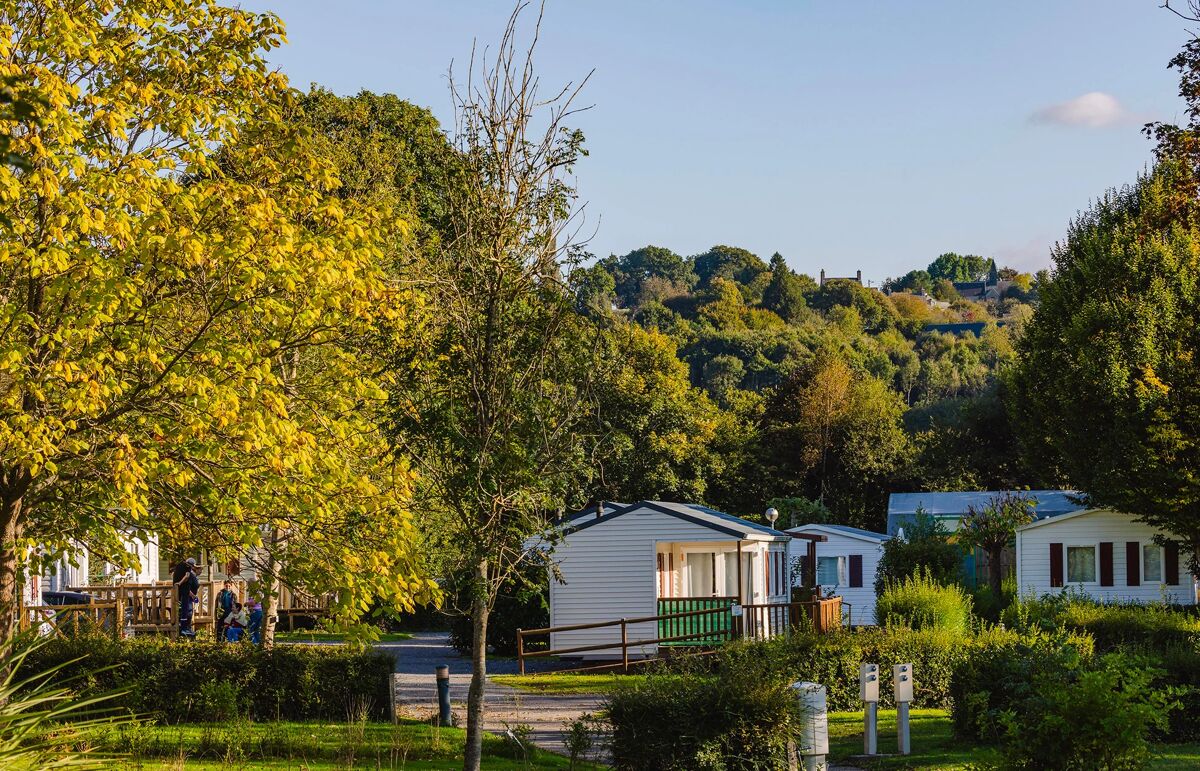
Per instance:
{"type": "Point", "coordinates": [772, 515]}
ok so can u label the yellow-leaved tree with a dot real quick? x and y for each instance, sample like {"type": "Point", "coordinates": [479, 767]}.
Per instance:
{"type": "Point", "coordinates": [181, 300]}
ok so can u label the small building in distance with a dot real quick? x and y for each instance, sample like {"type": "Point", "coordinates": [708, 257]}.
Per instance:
{"type": "Point", "coordinates": [991, 288]}
{"type": "Point", "coordinates": [856, 278]}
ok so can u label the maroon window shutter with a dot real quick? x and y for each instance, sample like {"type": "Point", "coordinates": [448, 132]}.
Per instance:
{"type": "Point", "coordinates": [1056, 564]}
{"type": "Point", "coordinates": [1171, 563]}
{"type": "Point", "coordinates": [1133, 563]}
{"type": "Point", "coordinates": [855, 571]}
{"type": "Point", "coordinates": [1106, 563]}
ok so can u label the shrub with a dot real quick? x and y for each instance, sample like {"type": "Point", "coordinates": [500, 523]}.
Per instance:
{"type": "Point", "coordinates": [189, 682]}
{"type": "Point", "coordinates": [1155, 627]}
{"type": "Point", "coordinates": [715, 722]}
{"type": "Point", "coordinates": [925, 547]}
{"type": "Point", "coordinates": [988, 606]}
{"type": "Point", "coordinates": [833, 660]}
{"type": "Point", "coordinates": [1081, 718]}
{"type": "Point", "coordinates": [920, 602]}
{"type": "Point", "coordinates": [999, 674]}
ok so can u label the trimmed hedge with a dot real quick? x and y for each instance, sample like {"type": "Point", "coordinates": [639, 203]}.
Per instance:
{"type": "Point", "coordinates": [833, 660]}
{"type": "Point", "coordinates": [182, 682]}
{"type": "Point", "coordinates": [670, 723]}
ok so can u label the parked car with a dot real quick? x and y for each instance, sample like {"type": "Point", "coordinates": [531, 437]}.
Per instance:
{"type": "Point", "coordinates": [66, 598]}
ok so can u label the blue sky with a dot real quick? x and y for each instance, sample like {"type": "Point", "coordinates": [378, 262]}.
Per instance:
{"type": "Point", "coordinates": [845, 135]}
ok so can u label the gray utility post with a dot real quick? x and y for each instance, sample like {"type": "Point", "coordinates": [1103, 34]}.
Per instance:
{"type": "Point", "coordinates": [814, 737]}
{"type": "Point", "coordinates": [903, 683]}
{"type": "Point", "coordinates": [868, 689]}
{"type": "Point", "coordinates": [443, 688]}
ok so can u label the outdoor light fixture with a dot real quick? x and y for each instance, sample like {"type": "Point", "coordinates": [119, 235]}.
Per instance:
{"type": "Point", "coordinates": [772, 515]}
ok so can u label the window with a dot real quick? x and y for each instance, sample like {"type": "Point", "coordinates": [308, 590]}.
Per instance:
{"type": "Point", "coordinates": [700, 574]}
{"type": "Point", "coordinates": [1081, 564]}
{"type": "Point", "coordinates": [831, 571]}
{"type": "Point", "coordinates": [1152, 562]}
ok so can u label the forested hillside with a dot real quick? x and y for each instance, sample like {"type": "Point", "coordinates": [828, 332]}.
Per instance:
{"type": "Point", "coordinates": [771, 386]}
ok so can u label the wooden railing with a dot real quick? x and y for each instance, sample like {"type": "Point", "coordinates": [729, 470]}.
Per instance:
{"type": "Point", "coordinates": [764, 621]}
{"type": "Point", "coordinates": [705, 632]}
{"type": "Point", "coordinates": [703, 627]}
{"type": "Point", "coordinates": [154, 608]}
{"type": "Point", "coordinates": [711, 628]}
{"type": "Point", "coordinates": [69, 620]}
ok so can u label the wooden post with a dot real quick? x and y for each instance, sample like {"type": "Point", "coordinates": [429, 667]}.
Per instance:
{"type": "Point", "coordinates": [174, 613]}
{"type": "Point", "coordinates": [624, 647]}
{"type": "Point", "coordinates": [118, 617]}
{"type": "Point", "coordinates": [520, 651]}
{"type": "Point", "coordinates": [740, 599]}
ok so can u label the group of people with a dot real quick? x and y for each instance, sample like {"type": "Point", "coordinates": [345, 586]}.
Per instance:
{"type": "Point", "coordinates": [234, 620]}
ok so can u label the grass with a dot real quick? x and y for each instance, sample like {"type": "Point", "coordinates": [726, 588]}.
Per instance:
{"type": "Point", "coordinates": [245, 745]}
{"type": "Point", "coordinates": [934, 745]}
{"type": "Point", "coordinates": [568, 684]}
{"type": "Point", "coordinates": [309, 635]}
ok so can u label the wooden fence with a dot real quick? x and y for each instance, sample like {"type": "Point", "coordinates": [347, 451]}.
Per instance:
{"type": "Point", "coordinates": [708, 626]}
{"type": "Point", "coordinates": [69, 620]}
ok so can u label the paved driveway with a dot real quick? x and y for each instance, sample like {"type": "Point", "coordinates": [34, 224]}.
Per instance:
{"type": "Point", "coordinates": [416, 691]}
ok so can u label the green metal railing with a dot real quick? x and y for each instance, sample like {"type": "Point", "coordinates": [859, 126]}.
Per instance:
{"type": "Point", "coordinates": [706, 629]}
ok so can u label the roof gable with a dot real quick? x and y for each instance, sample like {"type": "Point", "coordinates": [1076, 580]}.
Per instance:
{"type": "Point", "coordinates": [844, 530]}
{"type": "Point", "coordinates": [719, 521]}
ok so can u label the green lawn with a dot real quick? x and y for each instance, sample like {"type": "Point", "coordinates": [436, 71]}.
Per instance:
{"type": "Point", "coordinates": [934, 746]}
{"type": "Point", "coordinates": [564, 683]}
{"type": "Point", "coordinates": [407, 745]}
{"type": "Point", "coordinates": [310, 635]}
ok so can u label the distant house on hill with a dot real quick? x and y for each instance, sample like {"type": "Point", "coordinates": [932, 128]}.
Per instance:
{"type": "Point", "coordinates": [856, 278]}
{"type": "Point", "coordinates": [991, 288]}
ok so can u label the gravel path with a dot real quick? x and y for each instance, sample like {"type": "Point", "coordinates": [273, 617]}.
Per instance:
{"type": "Point", "coordinates": [416, 691]}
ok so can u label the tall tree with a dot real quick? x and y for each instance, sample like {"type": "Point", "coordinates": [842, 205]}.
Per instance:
{"type": "Point", "coordinates": [1109, 380]}
{"type": "Point", "coordinates": [491, 396]}
{"type": "Point", "coordinates": [149, 291]}
{"type": "Point", "coordinates": [960, 267]}
{"type": "Point", "coordinates": [785, 294]}
{"type": "Point", "coordinates": [656, 429]}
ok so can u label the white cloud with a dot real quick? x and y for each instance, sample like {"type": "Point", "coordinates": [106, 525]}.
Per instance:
{"type": "Point", "coordinates": [1092, 110]}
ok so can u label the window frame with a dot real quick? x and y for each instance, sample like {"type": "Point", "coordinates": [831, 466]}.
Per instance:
{"type": "Point", "coordinates": [1162, 563]}
{"type": "Point", "coordinates": [1095, 547]}
{"type": "Point", "coordinates": [841, 570]}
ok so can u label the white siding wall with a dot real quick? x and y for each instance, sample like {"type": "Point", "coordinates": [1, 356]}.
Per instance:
{"type": "Point", "coordinates": [1033, 558]}
{"type": "Point", "coordinates": [610, 572]}
{"type": "Point", "coordinates": [861, 600]}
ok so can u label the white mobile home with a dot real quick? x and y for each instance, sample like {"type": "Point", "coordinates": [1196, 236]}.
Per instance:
{"type": "Point", "coordinates": [1110, 556]}
{"type": "Point", "coordinates": [847, 561]}
{"type": "Point", "coordinates": [652, 558]}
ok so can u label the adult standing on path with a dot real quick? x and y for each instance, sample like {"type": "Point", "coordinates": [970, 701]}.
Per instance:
{"type": "Point", "coordinates": [186, 585]}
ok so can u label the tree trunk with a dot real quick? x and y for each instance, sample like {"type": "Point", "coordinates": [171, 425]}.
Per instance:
{"type": "Point", "coordinates": [473, 755]}
{"type": "Point", "coordinates": [995, 574]}
{"type": "Point", "coordinates": [271, 591]}
{"type": "Point", "coordinates": [10, 568]}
